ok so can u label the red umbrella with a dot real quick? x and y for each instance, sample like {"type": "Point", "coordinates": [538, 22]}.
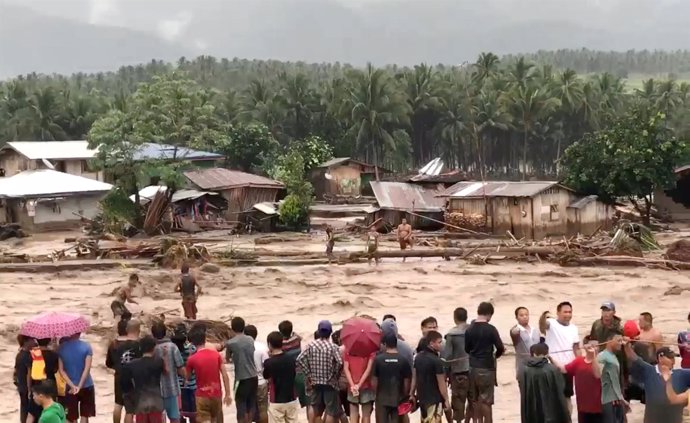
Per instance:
{"type": "Point", "coordinates": [361, 337]}
{"type": "Point", "coordinates": [54, 325]}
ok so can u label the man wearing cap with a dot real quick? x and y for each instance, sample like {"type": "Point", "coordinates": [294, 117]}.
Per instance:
{"type": "Point", "coordinates": [608, 323]}
{"type": "Point", "coordinates": [389, 326]}
{"type": "Point", "coordinates": [321, 363]}
{"type": "Point", "coordinates": [658, 407]}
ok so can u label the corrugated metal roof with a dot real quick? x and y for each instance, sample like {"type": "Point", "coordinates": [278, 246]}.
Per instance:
{"type": "Point", "coordinates": [153, 151]}
{"type": "Point", "coordinates": [267, 208]}
{"type": "Point", "coordinates": [147, 193]}
{"type": "Point", "coordinates": [344, 208]}
{"type": "Point", "coordinates": [334, 161]}
{"type": "Point", "coordinates": [404, 196]}
{"type": "Point", "coordinates": [471, 189]}
{"type": "Point", "coordinates": [46, 182]}
{"type": "Point", "coordinates": [219, 178]}
{"type": "Point", "coordinates": [36, 150]}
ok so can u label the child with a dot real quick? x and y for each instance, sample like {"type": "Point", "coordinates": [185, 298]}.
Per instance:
{"type": "Point", "coordinates": [44, 395]}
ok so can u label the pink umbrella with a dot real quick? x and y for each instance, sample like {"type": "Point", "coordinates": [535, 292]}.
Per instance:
{"type": "Point", "coordinates": [54, 325]}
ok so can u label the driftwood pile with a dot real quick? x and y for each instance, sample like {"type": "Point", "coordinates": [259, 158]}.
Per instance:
{"type": "Point", "coordinates": [475, 222]}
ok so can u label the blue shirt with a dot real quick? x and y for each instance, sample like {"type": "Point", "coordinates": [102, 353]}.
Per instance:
{"type": "Point", "coordinates": [73, 355]}
{"type": "Point", "coordinates": [658, 408]}
{"type": "Point", "coordinates": [189, 349]}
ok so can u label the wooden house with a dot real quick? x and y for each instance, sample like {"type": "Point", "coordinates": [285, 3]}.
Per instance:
{"type": "Point", "coordinates": [420, 205]}
{"type": "Point", "coordinates": [241, 190]}
{"type": "Point", "coordinates": [343, 176]}
{"type": "Point", "coordinates": [529, 209]}
{"type": "Point", "coordinates": [674, 202]}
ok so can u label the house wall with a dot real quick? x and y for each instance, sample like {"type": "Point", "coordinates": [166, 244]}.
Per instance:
{"type": "Point", "coordinates": [665, 205]}
{"type": "Point", "coordinates": [13, 163]}
{"type": "Point", "coordinates": [55, 214]}
{"type": "Point", "coordinates": [241, 200]}
{"type": "Point", "coordinates": [345, 180]}
{"type": "Point", "coordinates": [550, 212]}
{"type": "Point", "coordinates": [590, 218]}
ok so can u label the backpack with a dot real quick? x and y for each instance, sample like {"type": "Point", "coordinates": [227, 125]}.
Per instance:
{"type": "Point", "coordinates": [38, 365]}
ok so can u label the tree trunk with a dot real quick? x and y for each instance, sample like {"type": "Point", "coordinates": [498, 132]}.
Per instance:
{"type": "Point", "coordinates": [376, 161]}
{"type": "Point", "coordinates": [524, 156]}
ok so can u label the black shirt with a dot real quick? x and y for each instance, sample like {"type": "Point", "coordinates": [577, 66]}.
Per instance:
{"type": "Point", "coordinates": [142, 380]}
{"type": "Point", "coordinates": [279, 371]}
{"type": "Point", "coordinates": [428, 366]}
{"type": "Point", "coordinates": [23, 363]}
{"type": "Point", "coordinates": [391, 370]}
{"type": "Point", "coordinates": [480, 340]}
{"type": "Point", "coordinates": [121, 353]}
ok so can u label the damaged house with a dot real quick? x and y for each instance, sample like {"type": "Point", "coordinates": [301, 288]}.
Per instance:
{"type": "Point", "coordinates": [45, 199]}
{"type": "Point", "coordinates": [241, 190]}
{"type": "Point", "coordinates": [528, 209]}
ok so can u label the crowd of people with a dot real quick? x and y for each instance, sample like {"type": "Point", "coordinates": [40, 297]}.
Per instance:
{"type": "Point", "coordinates": [178, 375]}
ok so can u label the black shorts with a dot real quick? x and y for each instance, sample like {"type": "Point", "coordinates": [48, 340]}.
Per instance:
{"type": "Point", "coordinates": [325, 398]}
{"type": "Point", "coordinates": [590, 418]}
{"type": "Point", "coordinates": [81, 405]}
{"type": "Point", "coordinates": [386, 414]}
{"type": "Point", "coordinates": [246, 391]}
{"type": "Point", "coordinates": [27, 406]}
{"type": "Point", "coordinates": [568, 390]}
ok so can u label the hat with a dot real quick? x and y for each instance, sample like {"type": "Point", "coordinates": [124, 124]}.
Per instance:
{"type": "Point", "coordinates": [631, 330]}
{"type": "Point", "coordinates": [325, 328]}
{"type": "Point", "coordinates": [389, 326]}
{"type": "Point", "coordinates": [609, 305]}
{"type": "Point", "coordinates": [666, 352]}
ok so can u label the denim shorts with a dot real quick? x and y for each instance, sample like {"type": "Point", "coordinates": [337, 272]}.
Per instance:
{"type": "Point", "coordinates": [172, 407]}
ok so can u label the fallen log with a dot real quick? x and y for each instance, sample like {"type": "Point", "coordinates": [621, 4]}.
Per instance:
{"type": "Point", "coordinates": [455, 252]}
{"type": "Point", "coordinates": [62, 266]}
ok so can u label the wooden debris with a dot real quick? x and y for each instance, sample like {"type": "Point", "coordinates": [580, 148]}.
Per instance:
{"type": "Point", "coordinates": [679, 251]}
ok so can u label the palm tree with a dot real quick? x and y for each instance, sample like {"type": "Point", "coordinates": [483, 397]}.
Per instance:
{"type": "Point", "coordinates": [486, 67]}
{"type": "Point", "coordinates": [422, 97]}
{"type": "Point", "coordinates": [451, 126]}
{"type": "Point", "coordinates": [376, 111]}
{"type": "Point", "coordinates": [297, 97]}
{"type": "Point", "coordinates": [46, 114]}
{"type": "Point", "coordinates": [529, 105]}
{"type": "Point", "coordinates": [520, 73]}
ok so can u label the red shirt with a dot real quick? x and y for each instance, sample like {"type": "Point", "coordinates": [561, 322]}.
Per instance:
{"type": "Point", "coordinates": [587, 386]}
{"type": "Point", "coordinates": [358, 365]}
{"type": "Point", "coordinates": [206, 365]}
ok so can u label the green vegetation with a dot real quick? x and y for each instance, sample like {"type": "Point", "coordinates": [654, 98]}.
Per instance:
{"type": "Point", "coordinates": [506, 118]}
{"type": "Point", "coordinates": [631, 158]}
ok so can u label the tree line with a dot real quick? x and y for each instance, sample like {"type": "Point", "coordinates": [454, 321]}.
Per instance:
{"type": "Point", "coordinates": [510, 117]}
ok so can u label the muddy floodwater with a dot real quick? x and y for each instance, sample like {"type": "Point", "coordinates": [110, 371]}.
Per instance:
{"type": "Point", "coordinates": [305, 294]}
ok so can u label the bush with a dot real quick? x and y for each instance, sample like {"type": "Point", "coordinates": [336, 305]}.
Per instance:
{"type": "Point", "coordinates": [294, 212]}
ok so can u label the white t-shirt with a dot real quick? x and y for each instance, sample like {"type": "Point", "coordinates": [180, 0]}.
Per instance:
{"type": "Point", "coordinates": [260, 355]}
{"type": "Point", "coordinates": [561, 338]}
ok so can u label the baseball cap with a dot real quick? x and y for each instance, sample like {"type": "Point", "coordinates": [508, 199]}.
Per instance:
{"type": "Point", "coordinates": [666, 352]}
{"type": "Point", "coordinates": [325, 327]}
{"type": "Point", "coordinates": [608, 305]}
{"type": "Point", "coordinates": [389, 327]}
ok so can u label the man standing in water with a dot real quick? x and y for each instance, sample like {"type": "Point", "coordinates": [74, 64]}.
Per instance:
{"type": "Point", "coordinates": [455, 354]}
{"type": "Point", "coordinates": [484, 346]}
{"type": "Point", "coordinates": [190, 290]}
{"type": "Point", "coordinates": [330, 242]}
{"type": "Point", "coordinates": [405, 235]}
{"type": "Point", "coordinates": [523, 337]}
{"type": "Point", "coordinates": [373, 246]}
{"type": "Point", "coordinates": [563, 339]}
{"type": "Point", "coordinates": [124, 295]}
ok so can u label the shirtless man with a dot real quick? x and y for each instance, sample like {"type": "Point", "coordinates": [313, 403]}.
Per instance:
{"type": "Point", "coordinates": [372, 246]}
{"type": "Point", "coordinates": [650, 336]}
{"type": "Point", "coordinates": [190, 290]}
{"type": "Point", "coordinates": [124, 295]}
{"type": "Point", "coordinates": [405, 235]}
